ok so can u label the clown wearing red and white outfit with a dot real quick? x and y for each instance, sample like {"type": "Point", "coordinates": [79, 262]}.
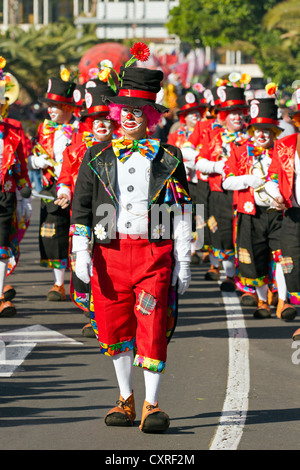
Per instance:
{"type": "Point", "coordinates": [283, 185]}
{"type": "Point", "coordinates": [121, 189]}
{"type": "Point", "coordinates": [98, 127]}
{"type": "Point", "coordinates": [211, 161]}
{"type": "Point", "coordinates": [193, 106]}
{"type": "Point", "coordinates": [14, 212]}
{"type": "Point", "coordinates": [53, 137]}
{"type": "Point", "coordinates": [258, 228]}
{"type": "Point", "coordinates": [200, 138]}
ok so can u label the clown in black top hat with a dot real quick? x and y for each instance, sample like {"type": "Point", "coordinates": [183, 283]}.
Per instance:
{"type": "Point", "coordinates": [54, 135]}
{"type": "Point", "coordinates": [258, 230]}
{"type": "Point", "coordinates": [232, 109]}
{"type": "Point", "coordinates": [119, 187]}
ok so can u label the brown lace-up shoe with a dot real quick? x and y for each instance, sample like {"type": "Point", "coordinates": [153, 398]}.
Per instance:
{"type": "Point", "coordinates": [153, 420]}
{"type": "Point", "coordinates": [228, 285]}
{"type": "Point", "coordinates": [213, 274]}
{"type": "Point", "coordinates": [248, 299]}
{"type": "Point", "coordinates": [285, 311]}
{"type": "Point", "coordinates": [56, 294]}
{"type": "Point", "coordinates": [7, 309]}
{"type": "Point", "coordinates": [263, 310]}
{"type": "Point", "coordinates": [9, 292]}
{"type": "Point", "coordinates": [123, 414]}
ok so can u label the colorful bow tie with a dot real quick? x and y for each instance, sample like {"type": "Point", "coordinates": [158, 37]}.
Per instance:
{"type": "Point", "coordinates": [259, 151]}
{"type": "Point", "coordinates": [228, 137]}
{"type": "Point", "coordinates": [124, 148]}
{"type": "Point", "coordinates": [89, 139]}
{"type": "Point", "coordinates": [50, 126]}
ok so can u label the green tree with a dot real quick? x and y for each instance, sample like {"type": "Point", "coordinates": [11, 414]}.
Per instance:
{"type": "Point", "coordinates": [217, 23]}
{"type": "Point", "coordinates": [269, 31]}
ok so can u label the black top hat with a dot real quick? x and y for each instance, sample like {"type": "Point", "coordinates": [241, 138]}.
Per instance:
{"type": "Point", "coordinates": [95, 92]}
{"type": "Point", "coordinates": [216, 99]}
{"type": "Point", "coordinates": [79, 94]}
{"type": "Point", "coordinates": [191, 100]}
{"type": "Point", "coordinates": [59, 91]}
{"type": "Point", "coordinates": [264, 113]}
{"type": "Point", "coordinates": [230, 98]}
{"type": "Point", "coordinates": [139, 88]}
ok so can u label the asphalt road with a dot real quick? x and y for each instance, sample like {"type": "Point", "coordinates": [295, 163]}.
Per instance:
{"type": "Point", "coordinates": [57, 397]}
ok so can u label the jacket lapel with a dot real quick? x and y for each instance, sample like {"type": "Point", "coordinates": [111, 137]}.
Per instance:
{"type": "Point", "coordinates": [104, 164]}
{"type": "Point", "coordinates": [161, 168]}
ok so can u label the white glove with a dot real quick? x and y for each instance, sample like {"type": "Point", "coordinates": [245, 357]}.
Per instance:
{"type": "Point", "coordinates": [57, 170]}
{"type": "Point", "coordinates": [182, 274]}
{"type": "Point", "coordinates": [84, 266]}
{"type": "Point", "coordinates": [39, 162]}
{"type": "Point", "coordinates": [26, 208]}
{"type": "Point", "coordinates": [272, 189]}
{"type": "Point", "coordinates": [218, 166]}
{"type": "Point", "coordinates": [253, 181]}
{"type": "Point", "coordinates": [83, 263]}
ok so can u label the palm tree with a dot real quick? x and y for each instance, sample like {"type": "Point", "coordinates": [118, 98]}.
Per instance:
{"type": "Point", "coordinates": [33, 56]}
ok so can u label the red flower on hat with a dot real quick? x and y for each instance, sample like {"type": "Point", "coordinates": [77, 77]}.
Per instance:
{"type": "Point", "coordinates": [140, 51]}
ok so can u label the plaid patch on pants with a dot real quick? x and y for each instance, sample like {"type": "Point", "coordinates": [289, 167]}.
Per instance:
{"type": "Point", "coordinates": [286, 264]}
{"type": "Point", "coordinates": [47, 230]}
{"type": "Point", "coordinates": [212, 224]}
{"type": "Point", "coordinates": [244, 256]}
{"type": "Point", "coordinates": [146, 303]}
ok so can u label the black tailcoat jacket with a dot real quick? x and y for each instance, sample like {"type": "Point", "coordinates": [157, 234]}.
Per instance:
{"type": "Point", "coordinates": [96, 188]}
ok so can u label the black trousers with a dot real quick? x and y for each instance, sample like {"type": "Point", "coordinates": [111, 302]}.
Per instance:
{"type": "Point", "coordinates": [290, 249]}
{"type": "Point", "coordinates": [221, 209]}
{"type": "Point", "coordinates": [54, 232]}
{"type": "Point", "coordinates": [257, 236]}
{"type": "Point", "coordinates": [7, 207]}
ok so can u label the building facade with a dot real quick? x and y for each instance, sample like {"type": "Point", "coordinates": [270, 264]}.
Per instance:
{"type": "Point", "coordinates": [118, 20]}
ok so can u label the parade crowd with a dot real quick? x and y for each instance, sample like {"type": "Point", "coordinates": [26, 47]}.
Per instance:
{"type": "Point", "coordinates": [110, 152]}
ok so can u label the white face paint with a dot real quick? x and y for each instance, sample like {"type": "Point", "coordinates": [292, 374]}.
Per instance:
{"type": "Point", "coordinates": [262, 137]}
{"type": "Point", "coordinates": [234, 121]}
{"type": "Point", "coordinates": [192, 118]}
{"type": "Point", "coordinates": [131, 118]}
{"type": "Point", "coordinates": [102, 128]}
{"type": "Point", "coordinates": [53, 113]}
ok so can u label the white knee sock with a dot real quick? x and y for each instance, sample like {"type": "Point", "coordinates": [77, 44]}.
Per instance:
{"type": "Point", "coordinates": [3, 271]}
{"type": "Point", "coordinates": [59, 276]}
{"type": "Point", "coordinates": [123, 367]}
{"type": "Point", "coordinates": [280, 280]}
{"type": "Point", "coordinates": [152, 384]}
{"type": "Point", "coordinates": [262, 292]}
{"type": "Point", "coordinates": [229, 267]}
{"type": "Point", "coordinates": [214, 261]}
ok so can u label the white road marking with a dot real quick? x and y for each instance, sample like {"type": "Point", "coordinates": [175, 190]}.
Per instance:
{"type": "Point", "coordinates": [16, 345]}
{"type": "Point", "coordinates": [235, 407]}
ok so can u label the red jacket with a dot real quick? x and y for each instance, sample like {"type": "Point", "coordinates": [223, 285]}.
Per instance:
{"type": "Point", "coordinates": [201, 137]}
{"type": "Point", "coordinates": [281, 169]}
{"type": "Point", "coordinates": [14, 174]}
{"type": "Point", "coordinates": [240, 163]}
{"type": "Point", "coordinates": [212, 150]}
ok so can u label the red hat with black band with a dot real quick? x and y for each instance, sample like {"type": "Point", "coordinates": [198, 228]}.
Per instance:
{"type": "Point", "coordinates": [230, 98]}
{"type": "Point", "coordinates": [264, 114]}
{"type": "Point", "coordinates": [139, 88]}
{"type": "Point", "coordinates": [59, 91]}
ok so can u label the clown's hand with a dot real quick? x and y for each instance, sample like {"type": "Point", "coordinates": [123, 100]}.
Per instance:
{"type": "Point", "coordinates": [83, 264]}
{"type": "Point", "coordinates": [182, 275]}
